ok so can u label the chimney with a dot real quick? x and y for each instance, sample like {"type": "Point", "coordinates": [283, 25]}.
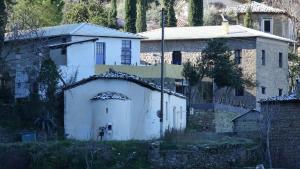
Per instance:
{"type": "Point", "coordinates": [225, 25]}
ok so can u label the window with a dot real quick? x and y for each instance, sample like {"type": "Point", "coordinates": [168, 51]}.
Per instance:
{"type": "Point", "coordinates": [239, 92]}
{"type": "Point", "coordinates": [126, 52]}
{"type": "Point", "coordinates": [237, 56]}
{"type": "Point", "coordinates": [279, 92]}
{"type": "Point", "coordinates": [100, 53]}
{"type": "Point", "coordinates": [267, 25]}
{"type": "Point", "coordinates": [176, 58]}
{"type": "Point", "coordinates": [263, 90]}
{"type": "Point", "coordinates": [280, 60]}
{"type": "Point", "coordinates": [167, 112]}
{"type": "Point", "coordinates": [63, 50]}
{"type": "Point", "coordinates": [263, 57]}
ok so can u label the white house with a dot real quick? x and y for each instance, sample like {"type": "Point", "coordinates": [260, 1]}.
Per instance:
{"type": "Point", "coordinates": [73, 47]}
{"type": "Point", "coordinates": [124, 106]}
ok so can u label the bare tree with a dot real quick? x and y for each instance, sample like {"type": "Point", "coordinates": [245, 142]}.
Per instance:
{"type": "Point", "coordinates": [269, 111]}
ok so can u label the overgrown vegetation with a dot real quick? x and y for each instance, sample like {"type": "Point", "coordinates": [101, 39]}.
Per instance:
{"type": "Point", "coordinates": [75, 155]}
{"type": "Point", "coordinates": [196, 13]}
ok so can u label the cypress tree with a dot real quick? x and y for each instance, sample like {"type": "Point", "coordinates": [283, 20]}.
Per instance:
{"type": "Point", "coordinates": [3, 21]}
{"type": "Point", "coordinates": [195, 17]}
{"type": "Point", "coordinates": [171, 18]}
{"type": "Point", "coordinates": [248, 18]}
{"type": "Point", "coordinates": [112, 16]}
{"type": "Point", "coordinates": [141, 25]}
{"type": "Point", "coordinates": [130, 16]}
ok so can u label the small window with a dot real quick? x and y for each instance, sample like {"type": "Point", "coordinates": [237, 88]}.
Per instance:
{"type": "Point", "coordinates": [263, 90]}
{"type": "Point", "coordinates": [263, 57]}
{"type": "Point", "coordinates": [109, 127]}
{"type": "Point", "coordinates": [267, 25]}
{"type": "Point", "coordinates": [64, 50]}
{"type": "Point", "coordinates": [126, 52]}
{"type": "Point", "coordinates": [279, 92]}
{"type": "Point", "coordinates": [176, 58]}
{"type": "Point", "coordinates": [280, 60]}
{"type": "Point", "coordinates": [239, 92]}
{"type": "Point", "coordinates": [106, 110]}
{"type": "Point", "coordinates": [167, 112]}
{"type": "Point", "coordinates": [237, 56]}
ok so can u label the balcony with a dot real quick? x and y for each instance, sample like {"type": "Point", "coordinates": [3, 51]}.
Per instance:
{"type": "Point", "coordinates": [151, 71]}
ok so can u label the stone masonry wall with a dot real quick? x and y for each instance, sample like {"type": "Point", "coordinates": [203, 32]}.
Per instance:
{"type": "Point", "coordinates": [285, 133]}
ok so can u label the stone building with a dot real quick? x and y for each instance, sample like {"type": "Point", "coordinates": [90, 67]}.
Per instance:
{"type": "Point", "coordinates": [284, 117]}
{"type": "Point", "coordinates": [248, 124]}
{"type": "Point", "coordinates": [265, 18]}
{"type": "Point", "coordinates": [263, 56]}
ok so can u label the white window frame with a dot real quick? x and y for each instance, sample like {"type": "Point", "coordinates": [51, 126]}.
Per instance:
{"type": "Point", "coordinates": [263, 25]}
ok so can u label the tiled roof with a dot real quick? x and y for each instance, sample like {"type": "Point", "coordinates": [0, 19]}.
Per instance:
{"type": "Point", "coordinates": [80, 29]}
{"type": "Point", "coordinates": [110, 96]}
{"type": "Point", "coordinates": [127, 77]}
{"type": "Point", "coordinates": [255, 8]}
{"type": "Point", "coordinates": [207, 32]}
{"type": "Point", "coordinates": [284, 98]}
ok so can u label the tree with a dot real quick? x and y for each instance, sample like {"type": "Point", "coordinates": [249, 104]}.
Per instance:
{"type": "Point", "coordinates": [41, 13]}
{"type": "Point", "coordinates": [141, 25]}
{"type": "Point", "coordinates": [195, 17]}
{"type": "Point", "coordinates": [85, 11]}
{"type": "Point", "coordinates": [191, 74]}
{"type": "Point", "coordinates": [294, 69]}
{"type": "Point", "coordinates": [3, 21]}
{"type": "Point", "coordinates": [130, 16]}
{"type": "Point", "coordinates": [216, 63]}
{"type": "Point", "coordinates": [248, 18]}
{"type": "Point", "coordinates": [112, 16]}
{"type": "Point", "coordinates": [48, 85]}
{"type": "Point", "coordinates": [171, 18]}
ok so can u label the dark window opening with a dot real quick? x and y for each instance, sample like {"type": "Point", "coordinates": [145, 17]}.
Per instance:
{"type": "Point", "coordinates": [279, 92]}
{"type": "Point", "coordinates": [263, 57]}
{"type": "Point", "coordinates": [237, 56]}
{"type": "Point", "coordinates": [280, 60]}
{"type": "Point", "coordinates": [263, 90]}
{"type": "Point", "coordinates": [109, 127]}
{"type": "Point", "coordinates": [126, 52]}
{"type": "Point", "coordinates": [64, 50]}
{"type": "Point", "coordinates": [267, 26]}
{"type": "Point", "coordinates": [176, 58]}
{"type": "Point", "coordinates": [239, 92]}
{"type": "Point", "coordinates": [100, 53]}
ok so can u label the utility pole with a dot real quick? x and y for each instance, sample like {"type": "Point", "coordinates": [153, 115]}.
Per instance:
{"type": "Point", "coordinates": [162, 71]}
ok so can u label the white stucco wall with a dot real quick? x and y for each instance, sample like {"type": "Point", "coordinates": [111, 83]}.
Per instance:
{"type": "Point", "coordinates": [144, 122]}
{"type": "Point", "coordinates": [105, 112]}
{"type": "Point", "coordinates": [82, 56]}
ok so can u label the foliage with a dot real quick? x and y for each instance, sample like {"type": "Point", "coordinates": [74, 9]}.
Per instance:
{"type": "Point", "coordinates": [195, 17]}
{"type": "Point", "coordinates": [39, 13]}
{"type": "Point", "coordinates": [91, 11]}
{"type": "Point", "coordinates": [73, 155]}
{"type": "Point", "coordinates": [141, 25]}
{"type": "Point", "coordinates": [248, 19]}
{"type": "Point", "coordinates": [130, 16]}
{"type": "Point", "coordinates": [212, 16]}
{"type": "Point", "coordinates": [112, 15]}
{"type": "Point", "coordinates": [3, 21]}
{"type": "Point", "coordinates": [294, 69]}
{"type": "Point", "coordinates": [171, 18]}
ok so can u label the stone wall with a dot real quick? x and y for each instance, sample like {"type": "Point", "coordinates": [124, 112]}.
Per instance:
{"type": "Point", "coordinates": [281, 23]}
{"type": "Point", "coordinates": [285, 133]}
{"type": "Point", "coordinates": [193, 156]}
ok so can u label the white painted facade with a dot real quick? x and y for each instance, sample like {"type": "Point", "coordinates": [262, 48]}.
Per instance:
{"type": "Point", "coordinates": [131, 119]}
{"type": "Point", "coordinates": [71, 46]}
{"type": "Point", "coordinates": [81, 57]}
